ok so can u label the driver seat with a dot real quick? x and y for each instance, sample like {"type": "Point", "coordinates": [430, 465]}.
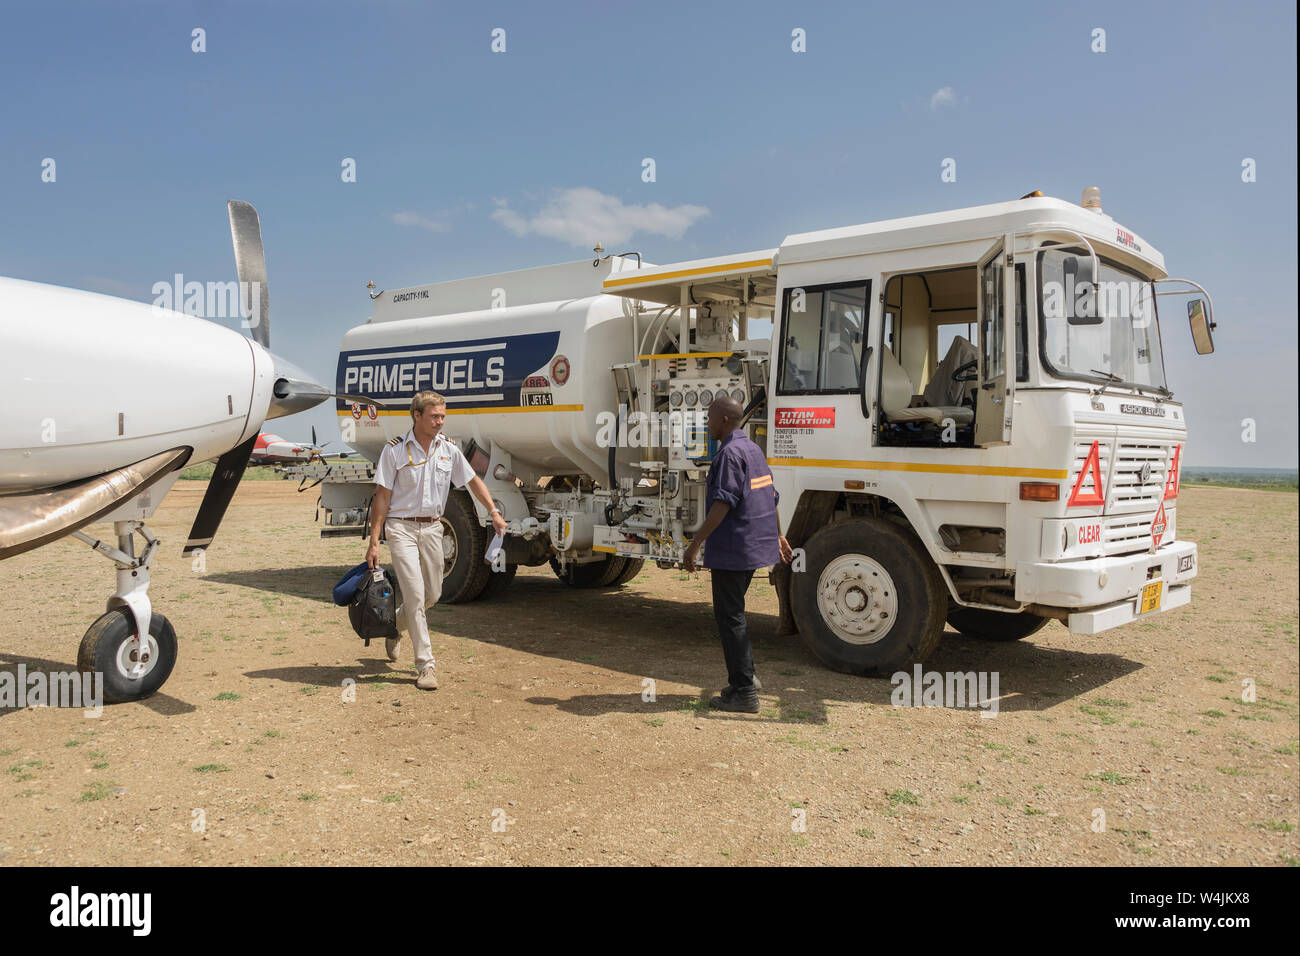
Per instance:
{"type": "Point", "coordinates": [896, 393]}
{"type": "Point", "coordinates": [942, 390]}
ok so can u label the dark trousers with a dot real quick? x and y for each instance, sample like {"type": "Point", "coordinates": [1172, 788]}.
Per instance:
{"type": "Point", "coordinates": [729, 589]}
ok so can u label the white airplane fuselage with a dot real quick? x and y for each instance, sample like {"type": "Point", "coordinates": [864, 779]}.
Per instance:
{"type": "Point", "coordinates": [125, 381]}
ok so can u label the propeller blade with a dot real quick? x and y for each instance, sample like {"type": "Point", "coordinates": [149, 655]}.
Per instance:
{"type": "Point", "coordinates": [250, 264]}
{"type": "Point", "coordinates": [221, 488]}
{"type": "Point", "coordinates": [313, 435]}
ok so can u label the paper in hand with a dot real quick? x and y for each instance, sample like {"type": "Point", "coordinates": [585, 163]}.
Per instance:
{"type": "Point", "coordinates": [494, 548]}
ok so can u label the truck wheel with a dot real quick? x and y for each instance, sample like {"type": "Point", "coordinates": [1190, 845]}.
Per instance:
{"type": "Point", "coordinates": [595, 574]}
{"type": "Point", "coordinates": [994, 625]}
{"type": "Point", "coordinates": [630, 570]}
{"type": "Point", "coordinates": [497, 582]}
{"type": "Point", "coordinates": [464, 542]}
{"type": "Point", "coordinates": [110, 648]}
{"type": "Point", "coordinates": [869, 600]}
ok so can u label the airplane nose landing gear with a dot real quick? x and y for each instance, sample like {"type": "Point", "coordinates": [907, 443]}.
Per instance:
{"type": "Point", "coordinates": [134, 660]}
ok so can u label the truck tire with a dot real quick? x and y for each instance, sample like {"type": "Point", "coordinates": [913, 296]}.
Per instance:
{"type": "Point", "coordinates": [869, 600]}
{"type": "Point", "coordinates": [497, 582]}
{"type": "Point", "coordinates": [464, 542]}
{"type": "Point", "coordinates": [596, 574]}
{"type": "Point", "coordinates": [630, 570]}
{"type": "Point", "coordinates": [989, 625]}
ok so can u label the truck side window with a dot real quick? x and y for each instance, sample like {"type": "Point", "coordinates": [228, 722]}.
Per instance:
{"type": "Point", "coordinates": [822, 336]}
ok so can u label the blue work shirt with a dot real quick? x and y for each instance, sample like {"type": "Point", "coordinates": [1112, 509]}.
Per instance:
{"type": "Point", "coordinates": [747, 539]}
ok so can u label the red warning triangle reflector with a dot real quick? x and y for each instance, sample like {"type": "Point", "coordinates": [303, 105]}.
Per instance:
{"type": "Point", "coordinates": [1091, 466]}
{"type": "Point", "coordinates": [1171, 484]}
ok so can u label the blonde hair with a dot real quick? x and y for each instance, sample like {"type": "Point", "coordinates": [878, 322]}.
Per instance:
{"type": "Point", "coordinates": [423, 400]}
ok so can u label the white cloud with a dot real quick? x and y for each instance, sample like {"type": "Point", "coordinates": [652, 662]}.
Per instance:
{"type": "Point", "coordinates": [943, 96]}
{"type": "Point", "coordinates": [583, 217]}
{"type": "Point", "coordinates": [423, 222]}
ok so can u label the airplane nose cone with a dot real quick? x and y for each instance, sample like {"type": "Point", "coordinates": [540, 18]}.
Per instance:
{"type": "Point", "coordinates": [295, 391]}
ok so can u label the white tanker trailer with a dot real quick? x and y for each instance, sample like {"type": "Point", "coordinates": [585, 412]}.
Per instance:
{"type": "Point", "coordinates": [965, 415]}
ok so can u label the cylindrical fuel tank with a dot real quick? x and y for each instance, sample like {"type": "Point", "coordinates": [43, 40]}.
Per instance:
{"type": "Point", "coordinates": [533, 379]}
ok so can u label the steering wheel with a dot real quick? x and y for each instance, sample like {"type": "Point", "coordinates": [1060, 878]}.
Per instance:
{"type": "Point", "coordinates": [959, 374]}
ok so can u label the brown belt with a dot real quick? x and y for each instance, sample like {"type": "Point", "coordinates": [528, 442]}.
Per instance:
{"type": "Point", "coordinates": [419, 520]}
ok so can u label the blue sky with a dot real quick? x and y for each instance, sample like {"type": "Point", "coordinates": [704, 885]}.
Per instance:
{"type": "Point", "coordinates": [151, 139]}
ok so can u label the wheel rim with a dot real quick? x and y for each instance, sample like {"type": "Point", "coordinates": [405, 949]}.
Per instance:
{"type": "Point", "coordinates": [448, 547]}
{"type": "Point", "coordinates": [130, 663]}
{"type": "Point", "coordinates": [857, 599]}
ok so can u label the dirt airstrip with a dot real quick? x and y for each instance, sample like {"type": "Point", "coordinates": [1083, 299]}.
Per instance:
{"type": "Point", "coordinates": [542, 745]}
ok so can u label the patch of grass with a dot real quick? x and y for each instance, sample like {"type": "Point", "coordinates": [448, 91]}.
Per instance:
{"type": "Point", "coordinates": [1279, 826]}
{"type": "Point", "coordinates": [309, 797]}
{"type": "Point", "coordinates": [273, 733]}
{"type": "Point", "coordinates": [904, 796]}
{"type": "Point", "coordinates": [475, 785]}
{"type": "Point", "coordinates": [1032, 812]}
{"type": "Point", "coordinates": [655, 721]}
{"type": "Point", "coordinates": [1108, 702]}
{"type": "Point", "coordinates": [96, 791]}
{"type": "Point", "coordinates": [391, 798]}
{"type": "Point", "coordinates": [211, 768]}
{"type": "Point", "coordinates": [1002, 801]}
{"type": "Point", "coordinates": [1108, 776]}
{"type": "Point", "coordinates": [228, 695]}
{"type": "Point", "coordinates": [72, 743]}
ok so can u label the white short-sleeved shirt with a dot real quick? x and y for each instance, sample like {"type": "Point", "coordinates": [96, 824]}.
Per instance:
{"type": "Point", "coordinates": [420, 483]}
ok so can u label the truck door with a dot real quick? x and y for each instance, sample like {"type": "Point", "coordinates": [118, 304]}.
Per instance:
{"type": "Point", "coordinates": [995, 398]}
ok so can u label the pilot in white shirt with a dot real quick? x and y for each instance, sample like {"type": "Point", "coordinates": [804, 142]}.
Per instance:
{"type": "Point", "coordinates": [412, 480]}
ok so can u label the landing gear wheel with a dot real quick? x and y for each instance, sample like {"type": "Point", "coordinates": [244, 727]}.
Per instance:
{"type": "Point", "coordinates": [870, 600]}
{"type": "Point", "coordinates": [596, 574]}
{"type": "Point", "coordinates": [497, 582]}
{"type": "Point", "coordinates": [131, 672]}
{"type": "Point", "coordinates": [994, 625]}
{"type": "Point", "coordinates": [464, 541]}
{"type": "Point", "coordinates": [630, 570]}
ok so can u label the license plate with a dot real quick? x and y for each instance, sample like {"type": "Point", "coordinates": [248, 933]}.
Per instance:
{"type": "Point", "coordinates": [1150, 599]}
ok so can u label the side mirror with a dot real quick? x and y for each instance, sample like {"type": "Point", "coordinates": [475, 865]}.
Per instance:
{"type": "Point", "coordinates": [862, 383]}
{"type": "Point", "coordinates": [1202, 322]}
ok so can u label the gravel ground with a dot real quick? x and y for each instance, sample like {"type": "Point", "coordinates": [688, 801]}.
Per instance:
{"type": "Point", "coordinates": [540, 746]}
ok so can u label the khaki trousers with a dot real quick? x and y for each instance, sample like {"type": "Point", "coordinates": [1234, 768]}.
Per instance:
{"type": "Point", "coordinates": [416, 550]}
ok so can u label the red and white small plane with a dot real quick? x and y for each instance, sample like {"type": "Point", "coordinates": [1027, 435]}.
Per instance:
{"type": "Point", "coordinates": [108, 400]}
{"type": "Point", "coordinates": [271, 449]}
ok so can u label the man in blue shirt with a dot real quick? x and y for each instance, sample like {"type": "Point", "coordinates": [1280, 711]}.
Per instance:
{"type": "Point", "coordinates": [744, 535]}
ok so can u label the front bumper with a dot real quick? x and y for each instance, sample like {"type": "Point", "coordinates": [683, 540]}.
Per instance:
{"type": "Point", "coordinates": [1106, 591]}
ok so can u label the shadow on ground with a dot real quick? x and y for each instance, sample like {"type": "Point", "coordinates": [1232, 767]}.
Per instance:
{"type": "Point", "coordinates": [631, 630]}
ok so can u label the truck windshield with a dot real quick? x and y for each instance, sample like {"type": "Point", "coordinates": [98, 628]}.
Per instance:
{"type": "Point", "coordinates": [1104, 330]}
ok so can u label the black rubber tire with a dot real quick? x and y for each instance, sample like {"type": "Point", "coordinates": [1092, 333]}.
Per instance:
{"type": "Point", "coordinates": [596, 574]}
{"type": "Point", "coordinates": [921, 598]}
{"type": "Point", "coordinates": [468, 575]}
{"type": "Point", "coordinates": [989, 625]}
{"type": "Point", "coordinates": [630, 570]}
{"type": "Point", "coordinates": [98, 654]}
{"type": "Point", "coordinates": [497, 582]}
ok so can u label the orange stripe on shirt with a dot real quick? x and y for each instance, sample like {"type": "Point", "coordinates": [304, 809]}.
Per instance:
{"type": "Point", "coordinates": [761, 482]}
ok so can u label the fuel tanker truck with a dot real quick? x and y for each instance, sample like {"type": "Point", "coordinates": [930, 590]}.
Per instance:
{"type": "Point", "coordinates": [965, 414]}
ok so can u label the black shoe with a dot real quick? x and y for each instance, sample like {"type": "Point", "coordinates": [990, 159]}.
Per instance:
{"type": "Point", "coordinates": [738, 703]}
{"type": "Point", "coordinates": [729, 690]}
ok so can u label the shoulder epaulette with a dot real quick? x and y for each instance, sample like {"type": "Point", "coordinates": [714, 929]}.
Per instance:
{"type": "Point", "coordinates": [394, 441]}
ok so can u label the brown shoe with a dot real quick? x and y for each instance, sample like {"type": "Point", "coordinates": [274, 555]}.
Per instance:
{"type": "Point", "coordinates": [428, 679]}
